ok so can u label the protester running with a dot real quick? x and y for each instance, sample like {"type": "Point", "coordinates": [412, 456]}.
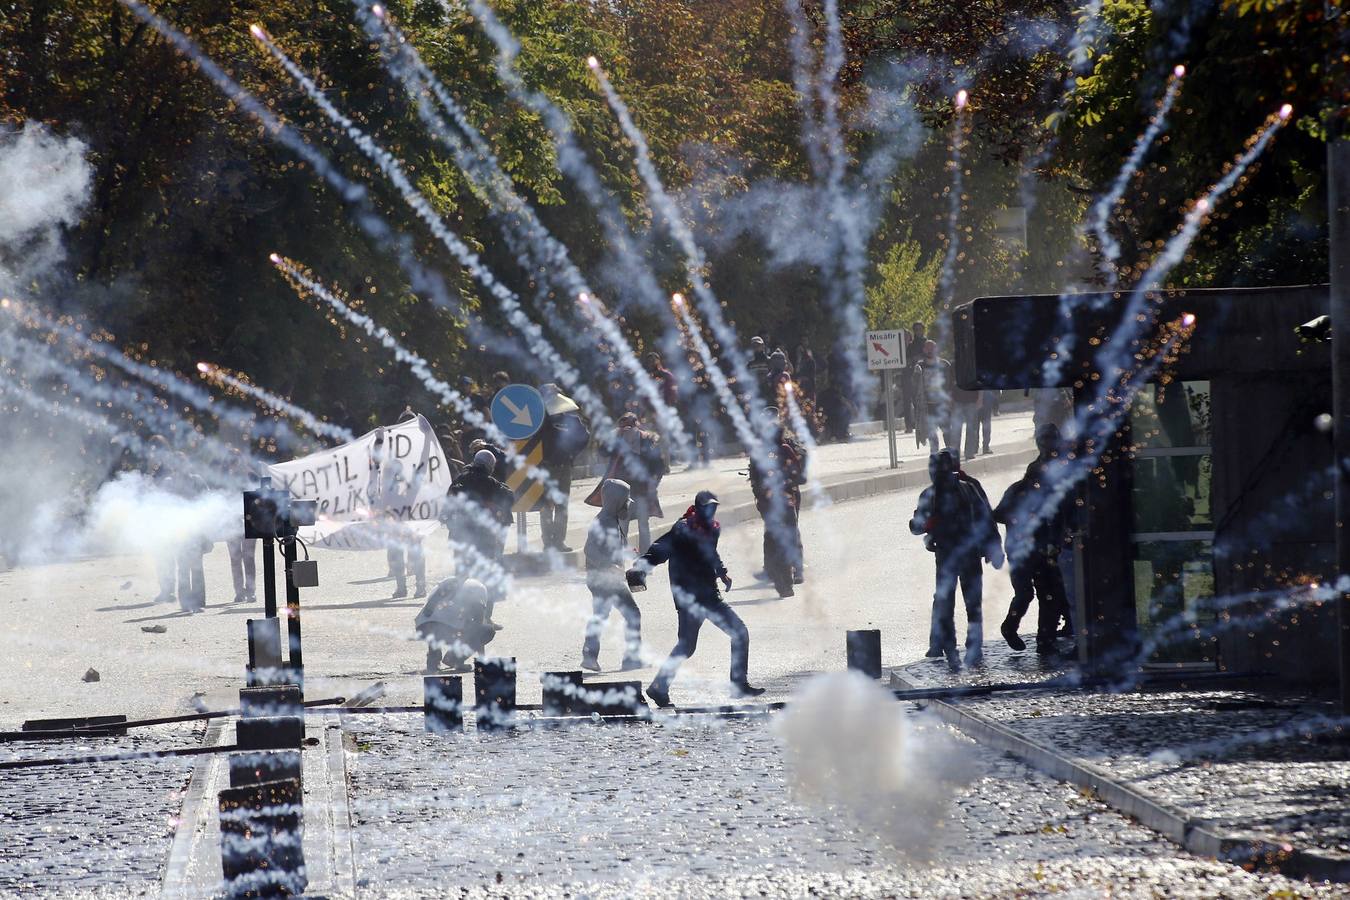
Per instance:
{"type": "Point", "coordinates": [695, 568]}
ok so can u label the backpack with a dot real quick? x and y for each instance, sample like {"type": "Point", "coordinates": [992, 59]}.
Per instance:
{"type": "Point", "coordinates": [570, 435]}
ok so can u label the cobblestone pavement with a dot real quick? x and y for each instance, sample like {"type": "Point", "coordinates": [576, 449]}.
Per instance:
{"type": "Point", "coordinates": [1245, 762]}
{"type": "Point", "coordinates": [700, 807]}
{"type": "Point", "coordinates": [101, 830]}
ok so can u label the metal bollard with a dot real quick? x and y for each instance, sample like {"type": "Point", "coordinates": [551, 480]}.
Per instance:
{"type": "Point", "coordinates": [261, 832]}
{"type": "Point", "coordinates": [864, 652]}
{"type": "Point", "coordinates": [264, 652]}
{"type": "Point", "coordinates": [560, 692]}
{"type": "Point", "coordinates": [270, 733]}
{"type": "Point", "coordinates": [443, 703]}
{"type": "Point", "coordinates": [494, 692]}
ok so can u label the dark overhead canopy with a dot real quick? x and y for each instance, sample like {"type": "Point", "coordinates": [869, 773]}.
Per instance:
{"type": "Point", "coordinates": [1005, 342]}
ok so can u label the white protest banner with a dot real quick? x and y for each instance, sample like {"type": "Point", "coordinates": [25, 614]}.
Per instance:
{"type": "Point", "coordinates": [383, 489]}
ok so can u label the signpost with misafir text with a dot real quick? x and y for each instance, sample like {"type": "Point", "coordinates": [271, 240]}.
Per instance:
{"type": "Point", "coordinates": [885, 354]}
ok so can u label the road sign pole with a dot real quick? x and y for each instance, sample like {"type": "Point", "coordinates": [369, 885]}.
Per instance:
{"type": "Point", "coordinates": [890, 416]}
{"type": "Point", "coordinates": [522, 542]}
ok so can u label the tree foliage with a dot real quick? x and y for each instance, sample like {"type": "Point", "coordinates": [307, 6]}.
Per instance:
{"type": "Point", "coordinates": [190, 196]}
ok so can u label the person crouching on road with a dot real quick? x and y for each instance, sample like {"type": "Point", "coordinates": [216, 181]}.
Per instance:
{"type": "Point", "coordinates": [454, 624]}
{"type": "Point", "coordinates": [958, 528]}
{"type": "Point", "coordinates": [606, 554]}
{"type": "Point", "coordinates": [695, 568]}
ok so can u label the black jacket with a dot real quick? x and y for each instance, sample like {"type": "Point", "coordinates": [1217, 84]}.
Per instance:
{"type": "Point", "coordinates": [691, 549]}
{"type": "Point", "coordinates": [494, 497]}
{"type": "Point", "coordinates": [954, 516]}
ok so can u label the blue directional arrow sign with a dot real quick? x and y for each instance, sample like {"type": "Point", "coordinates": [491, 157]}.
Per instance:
{"type": "Point", "coordinates": [518, 410]}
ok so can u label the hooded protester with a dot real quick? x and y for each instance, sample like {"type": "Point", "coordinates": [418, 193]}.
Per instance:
{"type": "Point", "coordinates": [564, 437]}
{"type": "Point", "coordinates": [478, 513]}
{"type": "Point", "coordinates": [776, 484]}
{"type": "Point", "coordinates": [958, 528]}
{"type": "Point", "coordinates": [1033, 549]}
{"type": "Point", "coordinates": [695, 568]}
{"type": "Point", "coordinates": [454, 624]}
{"type": "Point", "coordinates": [606, 558]}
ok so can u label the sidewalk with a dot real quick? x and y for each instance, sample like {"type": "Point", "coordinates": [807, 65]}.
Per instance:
{"type": "Point", "coordinates": [1254, 778]}
{"type": "Point", "coordinates": [833, 465]}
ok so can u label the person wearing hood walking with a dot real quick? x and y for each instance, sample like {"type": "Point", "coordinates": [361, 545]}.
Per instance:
{"type": "Point", "coordinates": [454, 624]}
{"type": "Point", "coordinates": [695, 568]}
{"type": "Point", "coordinates": [958, 528]}
{"type": "Point", "coordinates": [606, 556]}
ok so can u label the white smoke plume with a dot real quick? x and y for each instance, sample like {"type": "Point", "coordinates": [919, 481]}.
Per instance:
{"type": "Point", "coordinates": [851, 748]}
{"type": "Point", "coordinates": [46, 182]}
{"type": "Point", "coordinates": [133, 514]}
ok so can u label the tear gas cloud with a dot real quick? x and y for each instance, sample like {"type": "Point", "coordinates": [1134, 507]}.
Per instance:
{"type": "Point", "coordinates": [851, 748]}
{"type": "Point", "coordinates": [47, 185]}
{"type": "Point", "coordinates": [135, 514]}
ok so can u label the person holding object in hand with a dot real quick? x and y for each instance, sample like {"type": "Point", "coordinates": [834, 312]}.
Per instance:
{"type": "Point", "coordinates": [695, 568]}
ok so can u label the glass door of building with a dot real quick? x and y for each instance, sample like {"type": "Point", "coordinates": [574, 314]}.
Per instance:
{"type": "Point", "coordinates": [1172, 533]}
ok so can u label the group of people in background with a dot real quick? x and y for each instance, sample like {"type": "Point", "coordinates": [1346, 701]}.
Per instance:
{"type": "Point", "coordinates": [938, 411]}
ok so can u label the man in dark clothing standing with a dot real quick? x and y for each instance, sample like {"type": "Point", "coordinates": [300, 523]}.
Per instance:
{"type": "Point", "coordinates": [606, 558]}
{"type": "Point", "coordinates": [477, 514]}
{"type": "Point", "coordinates": [935, 381]}
{"type": "Point", "coordinates": [564, 436]}
{"type": "Point", "coordinates": [1033, 549]}
{"type": "Point", "coordinates": [695, 568]}
{"type": "Point", "coordinates": [958, 528]}
{"type": "Point", "coordinates": [909, 381]}
{"type": "Point", "coordinates": [776, 484]}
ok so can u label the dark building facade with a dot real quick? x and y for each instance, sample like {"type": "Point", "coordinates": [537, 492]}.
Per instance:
{"type": "Point", "coordinates": [1210, 508]}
